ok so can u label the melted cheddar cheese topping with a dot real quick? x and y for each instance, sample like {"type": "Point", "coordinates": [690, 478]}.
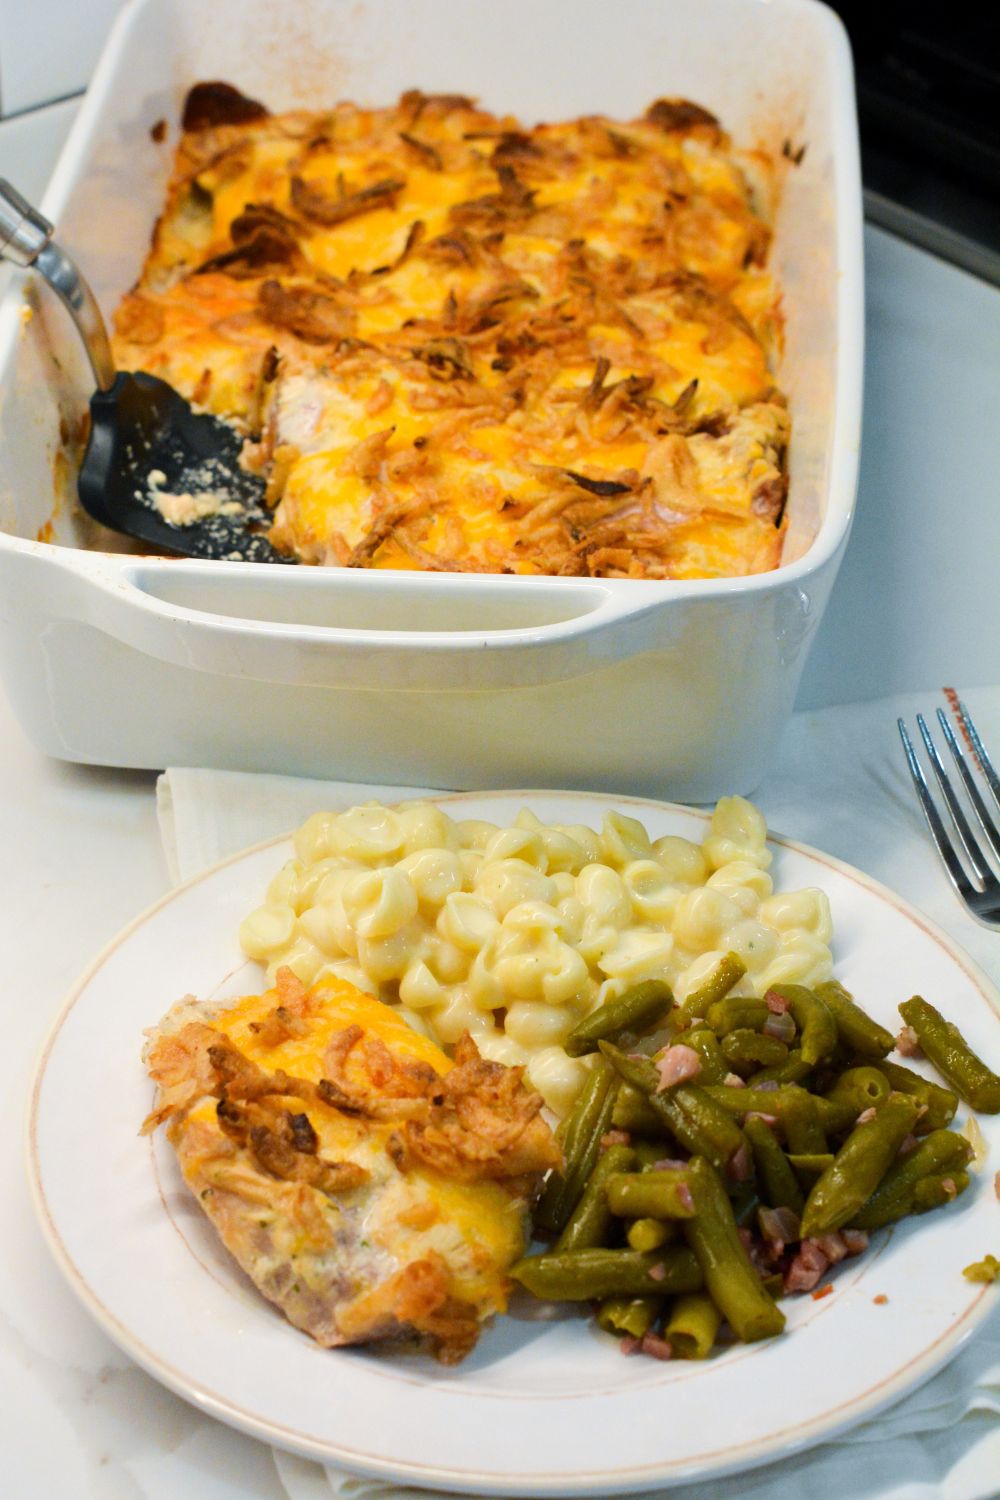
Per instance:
{"type": "Point", "coordinates": [454, 343]}
{"type": "Point", "coordinates": [479, 1227]}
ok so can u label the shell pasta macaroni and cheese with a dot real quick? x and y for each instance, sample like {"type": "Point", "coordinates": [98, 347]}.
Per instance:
{"type": "Point", "coordinates": [454, 342]}
{"type": "Point", "coordinates": [515, 934]}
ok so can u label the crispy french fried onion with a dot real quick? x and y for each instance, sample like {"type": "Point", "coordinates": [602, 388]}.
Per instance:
{"type": "Point", "coordinates": [477, 1121]}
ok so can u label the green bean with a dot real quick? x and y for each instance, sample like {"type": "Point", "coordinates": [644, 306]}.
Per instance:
{"type": "Point", "coordinates": [650, 1234]}
{"type": "Point", "coordinates": [658, 1194]}
{"type": "Point", "coordinates": [826, 1073]}
{"type": "Point", "coordinates": [704, 1041]}
{"type": "Point", "coordinates": [810, 1164]}
{"type": "Point", "coordinates": [939, 1104]}
{"type": "Point", "coordinates": [729, 971]}
{"type": "Point", "coordinates": [817, 1028]}
{"type": "Point", "coordinates": [935, 1191]}
{"type": "Point", "coordinates": [637, 1008]}
{"type": "Point", "coordinates": [804, 1135]}
{"type": "Point", "coordinates": [894, 1197]}
{"type": "Point", "coordinates": [793, 1070]}
{"type": "Point", "coordinates": [686, 1110]}
{"type": "Point", "coordinates": [748, 1098]}
{"type": "Point", "coordinates": [692, 1326]}
{"type": "Point", "coordinates": [858, 1032]}
{"type": "Point", "coordinates": [838, 1115]}
{"type": "Point", "coordinates": [701, 1127]}
{"type": "Point", "coordinates": [944, 1044]}
{"type": "Point", "coordinates": [986, 1270]}
{"type": "Point", "coordinates": [628, 1317]}
{"type": "Point", "coordinates": [649, 1153]}
{"type": "Point", "coordinates": [591, 1219]}
{"type": "Point", "coordinates": [805, 1117]}
{"type": "Point", "coordinates": [858, 1167]}
{"type": "Point", "coordinates": [587, 1122]}
{"type": "Point", "coordinates": [589, 1275]}
{"type": "Point", "coordinates": [633, 1112]}
{"type": "Point", "coordinates": [577, 1124]}
{"type": "Point", "coordinates": [773, 1169]}
{"type": "Point", "coordinates": [751, 1050]}
{"type": "Point", "coordinates": [858, 1089]}
{"type": "Point", "coordinates": [730, 1278]}
{"type": "Point", "coordinates": [736, 1011]}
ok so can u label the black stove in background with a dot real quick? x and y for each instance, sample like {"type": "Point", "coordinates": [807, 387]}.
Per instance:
{"type": "Point", "coordinates": [928, 81]}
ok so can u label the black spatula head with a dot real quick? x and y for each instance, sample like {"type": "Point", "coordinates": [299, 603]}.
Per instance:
{"type": "Point", "coordinates": [151, 456]}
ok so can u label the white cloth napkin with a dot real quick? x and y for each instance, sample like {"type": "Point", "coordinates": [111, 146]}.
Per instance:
{"type": "Point", "coordinates": [839, 781]}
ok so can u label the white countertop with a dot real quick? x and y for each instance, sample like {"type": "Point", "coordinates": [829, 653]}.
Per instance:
{"type": "Point", "coordinates": [914, 606]}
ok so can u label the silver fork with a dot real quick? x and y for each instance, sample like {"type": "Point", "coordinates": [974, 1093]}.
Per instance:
{"type": "Point", "coordinates": [981, 894]}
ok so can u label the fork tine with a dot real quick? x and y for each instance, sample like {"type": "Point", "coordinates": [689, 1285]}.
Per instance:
{"type": "Point", "coordinates": [980, 750]}
{"type": "Point", "coordinates": [980, 868]}
{"type": "Point", "coordinates": [956, 874]}
{"type": "Point", "coordinates": [978, 805]}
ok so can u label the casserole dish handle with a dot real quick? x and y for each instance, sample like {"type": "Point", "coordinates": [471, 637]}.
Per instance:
{"type": "Point", "coordinates": [363, 630]}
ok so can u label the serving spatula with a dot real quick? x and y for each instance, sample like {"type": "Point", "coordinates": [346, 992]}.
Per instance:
{"type": "Point", "coordinates": [147, 448]}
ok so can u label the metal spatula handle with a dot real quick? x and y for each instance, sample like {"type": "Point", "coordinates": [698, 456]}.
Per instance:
{"type": "Point", "coordinates": [26, 240]}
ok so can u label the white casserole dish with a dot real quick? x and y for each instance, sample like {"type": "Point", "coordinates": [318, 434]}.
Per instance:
{"type": "Point", "coordinates": [673, 689]}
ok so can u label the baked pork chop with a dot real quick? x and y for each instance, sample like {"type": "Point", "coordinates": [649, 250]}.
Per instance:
{"type": "Point", "coordinates": [371, 1187]}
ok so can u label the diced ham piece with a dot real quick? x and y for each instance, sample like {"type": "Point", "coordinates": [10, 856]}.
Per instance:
{"type": "Point", "coordinates": [740, 1164]}
{"type": "Point", "coordinates": [762, 1255]}
{"type": "Point", "coordinates": [833, 1246]}
{"type": "Point", "coordinates": [776, 1004]}
{"type": "Point", "coordinates": [755, 1114]}
{"type": "Point", "coordinates": [780, 1025]}
{"type": "Point", "coordinates": [657, 1272]}
{"type": "Point", "coordinates": [907, 1144]}
{"type": "Point", "coordinates": [907, 1043]}
{"type": "Point", "coordinates": [629, 1345]}
{"type": "Point", "coordinates": [779, 1226]}
{"type": "Point", "coordinates": [866, 1115]}
{"type": "Point", "coordinates": [677, 1064]}
{"type": "Point", "coordinates": [733, 1081]}
{"type": "Point", "coordinates": [816, 1255]}
{"type": "Point", "coordinates": [806, 1268]}
{"type": "Point", "coordinates": [669, 1164]}
{"type": "Point", "coordinates": [659, 1348]}
{"type": "Point", "coordinates": [615, 1138]}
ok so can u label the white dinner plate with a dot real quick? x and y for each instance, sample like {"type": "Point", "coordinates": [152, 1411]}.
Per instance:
{"type": "Point", "coordinates": [546, 1404]}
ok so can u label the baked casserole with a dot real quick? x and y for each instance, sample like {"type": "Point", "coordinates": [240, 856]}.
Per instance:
{"type": "Point", "coordinates": [458, 344]}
